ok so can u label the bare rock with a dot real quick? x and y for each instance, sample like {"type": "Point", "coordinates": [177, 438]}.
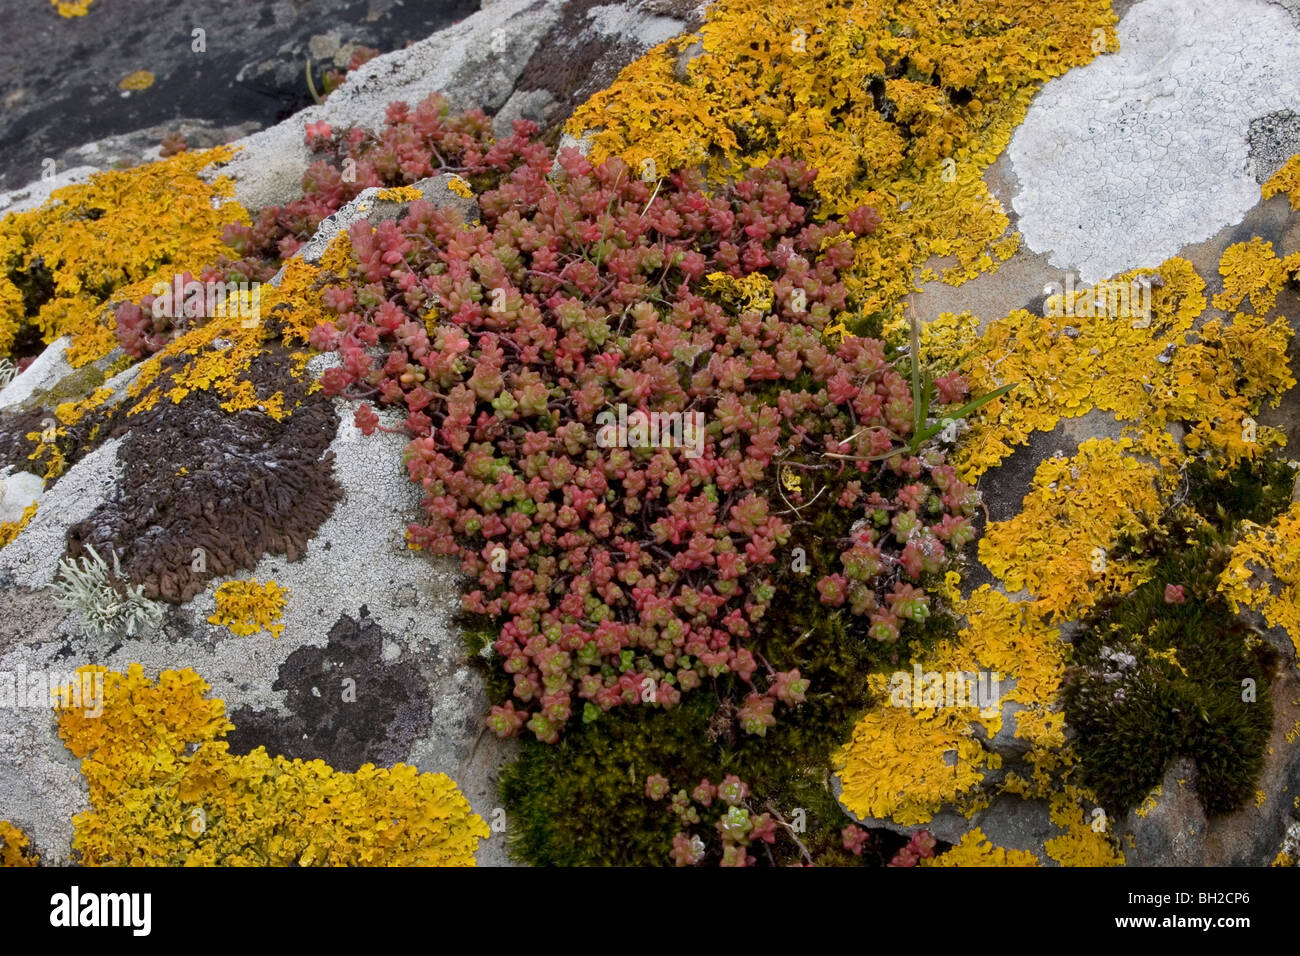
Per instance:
{"type": "Point", "coordinates": [1171, 832]}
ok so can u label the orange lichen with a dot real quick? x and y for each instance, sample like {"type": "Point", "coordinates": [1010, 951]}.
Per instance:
{"type": "Point", "coordinates": [1287, 181]}
{"type": "Point", "coordinates": [401, 194]}
{"type": "Point", "coordinates": [976, 850]}
{"type": "Point", "coordinates": [72, 8]}
{"type": "Point", "coordinates": [166, 791]}
{"type": "Point", "coordinates": [11, 529]}
{"type": "Point", "coordinates": [1264, 573]}
{"type": "Point", "coordinates": [1085, 842]}
{"type": "Point", "coordinates": [246, 607]}
{"type": "Point", "coordinates": [15, 847]}
{"type": "Point", "coordinates": [1149, 370]}
{"type": "Point", "coordinates": [1058, 547]}
{"type": "Point", "coordinates": [212, 357]}
{"type": "Point", "coordinates": [139, 80]}
{"type": "Point", "coordinates": [871, 104]}
{"type": "Point", "coordinates": [110, 239]}
{"type": "Point", "coordinates": [459, 186]}
{"type": "Point", "coordinates": [905, 762]}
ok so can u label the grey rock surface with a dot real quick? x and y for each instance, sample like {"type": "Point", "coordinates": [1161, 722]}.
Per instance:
{"type": "Point", "coordinates": [512, 57]}
{"type": "Point", "coordinates": [1172, 831]}
{"type": "Point", "coordinates": [532, 59]}
{"type": "Point", "coordinates": [1274, 138]}
{"type": "Point", "coordinates": [418, 699]}
{"type": "Point", "coordinates": [59, 76]}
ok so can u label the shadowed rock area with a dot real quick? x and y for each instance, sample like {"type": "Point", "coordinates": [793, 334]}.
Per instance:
{"type": "Point", "coordinates": [253, 68]}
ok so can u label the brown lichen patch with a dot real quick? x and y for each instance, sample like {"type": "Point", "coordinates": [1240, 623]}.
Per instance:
{"type": "Point", "coordinates": [207, 492]}
{"type": "Point", "coordinates": [15, 445]}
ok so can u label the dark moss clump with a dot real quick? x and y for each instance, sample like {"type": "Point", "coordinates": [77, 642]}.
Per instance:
{"type": "Point", "coordinates": [478, 632]}
{"type": "Point", "coordinates": [551, 789]}
{"type": "Point", "coordinates": [237, 486]}
{"type": "Point", "coordinates": [582, 801]}
{"type": "Point", "coordinates": [1247, 491]}
{"type": "Point", "coordinates": [1155, 677]}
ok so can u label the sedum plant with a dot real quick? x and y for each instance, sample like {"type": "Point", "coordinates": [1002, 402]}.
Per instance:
{"type": "Point", "coordinates": [627, 573]}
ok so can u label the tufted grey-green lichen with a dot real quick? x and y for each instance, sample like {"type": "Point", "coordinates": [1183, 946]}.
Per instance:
{"type": "Point", "coordinates": [109, 609]}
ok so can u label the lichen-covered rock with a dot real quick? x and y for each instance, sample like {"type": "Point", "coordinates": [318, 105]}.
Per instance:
{"type": "Point", "coordinates": [347, 703]}
{"type": "Point", "coordinates": [206, 493]}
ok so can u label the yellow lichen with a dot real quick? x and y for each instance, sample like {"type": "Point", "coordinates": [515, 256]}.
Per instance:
{"type": "Point", "coordinates": [71, 8]}
{"type": "Point", "coordinates": [870, 104]}
{"type": "Point", "coordinates": [110, 239]}
{"type": "Point", "coordinates": [753, 293]}
{"type": "Point", "coordinates": [247, 607]}
{"type": "Point", "coordinates": [69, 413]}
{"type": "Point", "coordinates": [296, 302]}
{"type": "Point", "coordinates": [1085, 843]}
{"type": "Point", "coordinates": [976, 850]}
{"type": "Point", "coordinates": [213, 357]}
{"type": "Point", "coordinates": [1264, 573]}
{"type": "Point", "coordinates": [457, 185]}
{"type": "Point", "coordinates": [1058, 547]}
{"type": "Point", "coordinates": [1287, 181]}
{"type": "Point", "coordinates": [904, 762]}
{"type": "Point", "coordinates": [15, 847]}
{"type": "Point", "coordinates": [1150, 370]}
{"type": "Point", "coordinates": [49, 453]}
{"type": "Point", "coordinates": [10, 529]}
{"type": "Point", "coordinates": [166, 791]}
{"type": "Point", "coordinates": [904, 765]}
{"type": "Point", "coordinates": [1149, 804]}
{"type": "Point", "coordinates": [1153, 367]}
{"type": "Point", "coordinates": [139, 80]}
{"type": "Point", "coordinates": [1250, 269]}
{"type": "Point", "coordinates": [400, 194]}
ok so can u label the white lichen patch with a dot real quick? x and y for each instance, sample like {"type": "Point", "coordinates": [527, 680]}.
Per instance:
{"type": "Point", "coordinates": [1123, 162]}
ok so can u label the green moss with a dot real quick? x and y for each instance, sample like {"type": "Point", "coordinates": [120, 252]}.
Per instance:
{"type": "Point", "coordinates": [1154, 680]}
{"type": "Point", "coordinates": [478, 632]}
{"type": "Point", "coordinates": [72, 387]}
{"type": "Point", "coordinates": [1248, 491]}
{"type": "Point", "coordinates": [582, 801]}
